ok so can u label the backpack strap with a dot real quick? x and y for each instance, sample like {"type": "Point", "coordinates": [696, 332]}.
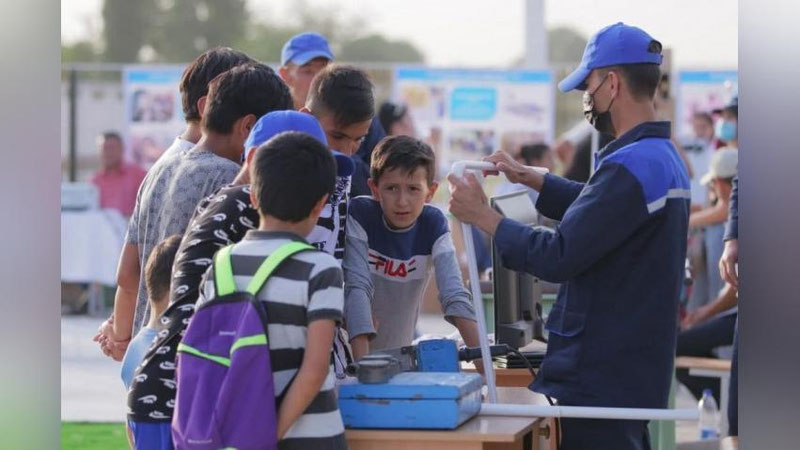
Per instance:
{"type": "Point", "coordinates": [223, 270]}
{"type": "Point", "coordinates": [272, 262]}
{"type": "Point", "coordinates": [225, 285]}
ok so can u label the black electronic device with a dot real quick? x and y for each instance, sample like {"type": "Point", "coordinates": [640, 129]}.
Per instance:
{"type": "Point", "coordinates": [517, 295]}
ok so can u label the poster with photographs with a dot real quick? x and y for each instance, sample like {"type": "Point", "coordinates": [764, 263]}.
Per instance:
{"type": "Point", "coordinates": [470, 113]}
{"type": "Point", "coordinates": [702, 91]}
{"type": "Point", "coordinates": [153, 112]}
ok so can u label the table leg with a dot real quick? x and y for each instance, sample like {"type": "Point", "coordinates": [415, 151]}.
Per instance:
{"type": "Point", "coordinates": [724, 385]}
{"type": "Point", "coordinates": [544, 435]}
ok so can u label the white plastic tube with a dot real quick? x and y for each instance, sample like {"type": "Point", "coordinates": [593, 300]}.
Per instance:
{"type": "Point", "coordinates": [474, 283]}
{"type": "Point", "coordinates": [588, 412]}
{"type": "Point", "coordinates": [458, 170]}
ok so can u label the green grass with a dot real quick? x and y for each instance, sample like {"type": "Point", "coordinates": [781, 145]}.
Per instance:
{"type": "Point", "coordinates": [93, 436]}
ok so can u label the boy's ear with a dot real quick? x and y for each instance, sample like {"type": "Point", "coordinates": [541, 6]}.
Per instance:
{"type": "Point", "coordinates": [431, 191]}
{"type": "Point", "coordinates": [253, 199]}
{"type": "Point", "coordinates": [305, 110]}
{"type": "Point", "coordinates": [201, 105]}
{"type": "Point", "coordinates": [317, 210]}
{"type": "Point", "coordinates": [373, 187]}
{"type": "Point", "coordinates": [246, 123]}
{"type": "Point", "coordinates": [251, 155]}
{"type": "Point", "coordinates": [283, 72]}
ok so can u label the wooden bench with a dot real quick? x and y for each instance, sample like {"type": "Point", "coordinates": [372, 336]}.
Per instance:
{"type": "Point", "coordinates": [714, 368]}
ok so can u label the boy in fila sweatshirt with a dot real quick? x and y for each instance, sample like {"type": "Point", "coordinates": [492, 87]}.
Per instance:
{"type": "Point", "coordinates": [394, 239]}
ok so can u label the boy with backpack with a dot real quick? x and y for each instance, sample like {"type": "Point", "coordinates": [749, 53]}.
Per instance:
{"type": "Point", "coordinates": [254, 366]}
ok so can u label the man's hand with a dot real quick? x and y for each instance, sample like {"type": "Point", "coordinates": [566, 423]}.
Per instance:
{"type": "Point", "coordinates": [728, 262]}
{"type": "Point", "coordinates": [693, 318]}
{"type": "Point", "coordinates": [516, 172]}
{"type": "Point", "coordinates": [565, 152]}
{"type": "Point", "coordinates": [110, 345]}
{"type": "Point", "coordinates": [469, 204]}
{"type": "Point", "coordinates": [115, 349]}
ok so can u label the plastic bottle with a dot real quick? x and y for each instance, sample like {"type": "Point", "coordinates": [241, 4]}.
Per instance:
{"type": "Point", "coordinates": [709, 416]}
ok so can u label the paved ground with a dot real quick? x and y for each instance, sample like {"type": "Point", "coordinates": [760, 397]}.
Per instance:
{"type": "Point", "coordinates": [91, 389]}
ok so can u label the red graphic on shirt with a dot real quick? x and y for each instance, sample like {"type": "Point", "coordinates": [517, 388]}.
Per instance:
{"type": "Point", "coordinates": [392, 267]}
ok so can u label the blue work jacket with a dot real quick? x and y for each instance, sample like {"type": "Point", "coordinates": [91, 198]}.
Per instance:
{"type": "Point", "coordinates": [619, 253]}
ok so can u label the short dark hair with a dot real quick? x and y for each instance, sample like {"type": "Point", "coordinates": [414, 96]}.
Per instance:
{"type": "Point", "coordinates": [206, 67]}
{"type": "Point", "coordinates": [291, 173]}
{"type": "Point", "coordinates": [404, 152]}
{"type": "Point", "coordinates": [251, 88]}
{"type": "Point", "coordinates": [704, 116]}
{"type": "Point", "coordinates": [110, 134]}
{"type": "Point", "coordinates": [389, 113]}
{"type": "Point", "coordinates": [345, 92]}
{"type": "Point", "coordinates": [532, 152]}
{"type": "Point", "coordinates": [642, 79]}
{"type": "Point", "coordinates": [158, 271]}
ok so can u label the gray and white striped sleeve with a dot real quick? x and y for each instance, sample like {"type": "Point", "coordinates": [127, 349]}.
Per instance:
{"type": "Point", "coordinates": [325, 290]}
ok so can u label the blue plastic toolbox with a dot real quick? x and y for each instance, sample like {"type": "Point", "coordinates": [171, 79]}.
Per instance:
{"type": "Point", "coordinates": [412, 400]}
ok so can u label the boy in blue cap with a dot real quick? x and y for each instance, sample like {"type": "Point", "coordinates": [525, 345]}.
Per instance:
{"type": "Point", "coordinates": [619, 250]}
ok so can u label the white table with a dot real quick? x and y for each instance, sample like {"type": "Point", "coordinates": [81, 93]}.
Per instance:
{"type": "Point", "coordinates": [91, 242]}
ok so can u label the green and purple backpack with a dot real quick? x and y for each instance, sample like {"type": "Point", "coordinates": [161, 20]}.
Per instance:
{"type": "Point", "coordinates": [225, 396]}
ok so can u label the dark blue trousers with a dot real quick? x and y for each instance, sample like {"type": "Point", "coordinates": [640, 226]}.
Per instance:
{"type": "Point", "coordinates": [700, 341]}
{"type": "Point", "coordinates": [602, 434]}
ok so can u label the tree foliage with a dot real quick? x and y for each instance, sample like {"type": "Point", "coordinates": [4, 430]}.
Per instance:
{"type": "Point", "coordinates": [177, 30]}
{"type": "Point", "coordinates": [376, 48]}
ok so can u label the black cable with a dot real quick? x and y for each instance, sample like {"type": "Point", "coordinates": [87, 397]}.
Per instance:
{"type": "Point", "coordinates": [524, 360]}
{"type": "Point", "coordinates": [557, 422]}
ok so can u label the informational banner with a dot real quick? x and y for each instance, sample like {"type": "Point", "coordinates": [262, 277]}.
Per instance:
{"type": "Point", "coordinates": [467, 114]}
{"type": "Point", "coordinates": [153, 112]}
{"type": "Point", "coordinates": [702, 91]}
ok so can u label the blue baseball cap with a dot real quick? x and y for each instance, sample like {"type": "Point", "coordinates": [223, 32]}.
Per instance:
{"type": "Point", "coordinates": [304, 47]}
{"type": "Point", "coordinates": [613, 45]}
{"type": "Point", "coordinates": [276, 122]}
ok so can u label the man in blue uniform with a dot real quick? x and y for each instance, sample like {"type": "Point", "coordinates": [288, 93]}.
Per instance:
{"type": "Point", "coordinates": [619, 250]}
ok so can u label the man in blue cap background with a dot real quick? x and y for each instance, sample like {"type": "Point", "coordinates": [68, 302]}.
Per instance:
{"type": "Point", "coordinates": [302, 58]}
{"type": "Point", "coordinates": [619, 250]}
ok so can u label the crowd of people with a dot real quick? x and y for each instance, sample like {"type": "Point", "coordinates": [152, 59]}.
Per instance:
{"type": "Point", "coordinates": [291, 188]}
{"type": "Point", "coordinates": [249, 170]}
